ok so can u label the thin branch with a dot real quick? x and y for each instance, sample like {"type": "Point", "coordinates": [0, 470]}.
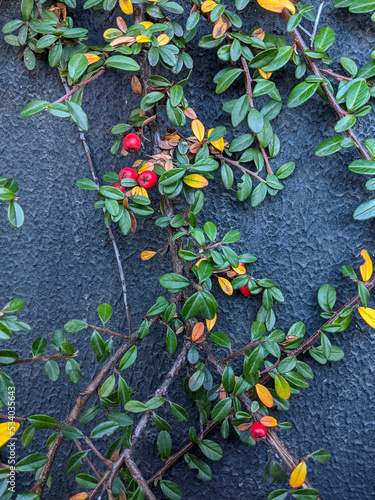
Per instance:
{"type": "Point", "coordinates": [336, 76]}
{"type": "Point", "coordinates": [42, 359]}
{"type": "Point", "coordinates": [110, 332]}
{"type": "Point", "coordinates": [308, 344]}
{"type": "Point", "coordinates": [80, 85]}
{"type": "Point", "coordinates": [340, 112]}
{"type": "Point", "coordinates": [87, 460]}
{"type": "Point", "coordinates": [88, 441]}
{"type": "Point", "coordinates": [316, 23]}
{"type": "Point", "coordinates": [240, 167]}
{"type": "Point", "coordinates": [6, 417]}
{"type": "Point", "coordinates": [174, 458]}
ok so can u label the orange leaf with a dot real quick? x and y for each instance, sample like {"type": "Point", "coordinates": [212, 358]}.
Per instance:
{"type": "Point", "coordinates": [196, 181]}
{"type": "Point", "coordinates": [208, 5]}
{"type": "Point", "coordinates": [298, 475]}
{"type": "Point", "coordinates": [220, 28]}
{"type": "Point", "coordinates": [147, 255]}
{"type": "Point", "coordinates": [264, 395]}
{"type": "Point", "coordinates": [197, 332]}
{"type": "Point", "coordinates": [126, 6]}
{"type": "Point", "coordinates": [163, 39]}
{"type": "Point", "coordinates": [91, 58]}
{"type": "Point", "coordinates": [366, 268]}
{"type": "Point", "coordinates": [244, 427]}
{"type": "Point", "coordinates": [264, 74]}
{"type": "Point", "coordinates": [268, 421]}
{"type": "Point", "coordinates": [200, 260]}
{"type": "Point", "coordinates": [277, 5]}
{"type": "Point", "coordinates": [211, 323]}
{"type": "Point", "coordinates": [198, 129]}
{"type": "Point", "coordinates": [79, 496]}
{"type": "Point", "coordinates": [225, 285]}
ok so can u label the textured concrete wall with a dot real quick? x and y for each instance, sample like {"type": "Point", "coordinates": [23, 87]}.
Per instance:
{"type": "Point", "coordinates": [62, 264]}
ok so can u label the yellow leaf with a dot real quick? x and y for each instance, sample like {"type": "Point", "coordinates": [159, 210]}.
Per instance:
{"type": "Point", "coordinates": [200, 260]}
{"type": "Point", "coordinates": [219, 144]}
{"type": "Point", "coordinates": [198, 129]}
{"type": "Point", "coordinates": [147, 255]}
{"type": "Point", "coordinates": [142, 39]}
{"type": "Point", "coordinates": [366, 268]}
{"type": "Point", "coordinates": [7, 430]}
{"type": "Point", "coordinates": [126, 6]}
{"type": "Point", "coordinates": [225, 285]}
{"type": "Point", "coordinates": [197, 332]}
{"type": "Point", "coordinates": [138, 191]}
{"type": "Point", "coordinates": [196, 181]}
{"type": "Point", "coordinates": [239, 270]}
{"type": "Point", "coordinates": [208, 5]}
{"type": "Point", "coordinates": [91, 58]}
{"type": "Point", "coordinates": [146, 24]}
{"type": "Point", "coordinates": [298, 476]}
{"type": "Point", "coordinates": [264, 395]}
{"type": "Point", "coordinates": [163, 39]}
{"type": "Point", "coordinates": [144, 167]}
{"type": "Point", "coordinates": [210, 323]}
{"type": "Point", "coordinates": [277, 5]}
{"type": "Point", "coordinates": [79, 496]}
{"type": "Point", "coordinates": [268, 421]}
{"type": "Point", "coordinates": [264, 74]}
{"type": "Point", "coordinates": [111, 33]}
{"type": "Point", "coordinates": [368, 315]}
{"type": "Point", "coordinates": [220, 28]}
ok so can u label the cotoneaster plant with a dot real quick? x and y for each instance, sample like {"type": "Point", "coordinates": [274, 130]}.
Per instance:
{"type": "Point", "coordinates": [234, 390]}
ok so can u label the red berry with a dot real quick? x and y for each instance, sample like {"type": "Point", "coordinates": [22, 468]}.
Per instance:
{"type": "Point", "coordinates": [147, 179]}
{"type": "Point", "coordinates": [245, 290]}
{"type": "Point", "coordinates": [258, 431]}
{"type": "Point", "coordinates": [127, 173]}
{"type": "Point", "coordinates": [118, 186]}
{"type": "Point", "coordinates": [131, 143]}
{"type": "Point", "coordinates": [241, 264]}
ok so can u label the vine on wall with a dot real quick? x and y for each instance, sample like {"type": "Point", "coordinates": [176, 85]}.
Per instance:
{"type": "Point", "coordinates": [237, 397]}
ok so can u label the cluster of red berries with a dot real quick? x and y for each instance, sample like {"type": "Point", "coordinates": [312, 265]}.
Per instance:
{"type": "Point", "coordinates": [146, 179]}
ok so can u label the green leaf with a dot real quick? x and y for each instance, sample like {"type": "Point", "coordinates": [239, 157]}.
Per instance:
{"type": "Point", "coordinates": [27, 435]}
{"type": "Point", "coordinates": [135, 406]}
{"type": "Point", "coordinates": [345, 123]}
{"type": "Point", "coordinates": [29, 59]}
{"type": "Point", "coordinates": [357, 95]}
{"type": "Point", "coordinates": [8, 357]}
{"type": "Point", "coordinates": [174, 282]}
{"type": "Point", "coordinates": [42, 421]}
{"type": "Point", "coordinates": [179, 412]}
{"type": "Point", "coordinates": [278, 495]}
{"type": "Point", "coordinates": [227, 79]}
{"type": "Point", "coordinates": [34, 107]}
{"type": "Point", "coordinates": [75, 325]}
{"type": "Point", "coordinates": [306, 494]}
{"type": "Point", "coordinates": [104, 429]}
{"type": "Point", "coordinates": [324, 39]}
{"type": "Point", "coordinates": [210, 230]}
{"type": "Point", "coordinates": [87, 481]}
{"type": "Point", "coordinates": [365, 167]}
{"type": "Point", "coordinates": [321, 455]}
{"type": "Point", "coordinates": [77, 66]}
{"type": "Point", "coordinates": [164, 444]}
{"type": "Point", "coordinates": [128, 358]}
{"type": "Point", "coordinates": [365, 211]}
{"type": "Point", "coordinates": [220, 339]}
{"type": "Point", "coordinates": [87, 184]}
{"type": "Point", "coordinates": [282, 57]}
{"type": "Point", "coordinates": [74, 462]}
{"type": "Point", "coordinates": [301, 93]}
{"type": "Point", "coordinates": [27, 8]}
{"type": "Point", "coordinates": [329, 146]}
{"type": "Point", "coordinates": [221, 409]}
{"type": "Point", "coordinates": [123, 62]}
{"type": "Point", "coordinates": [176, 94]}
{"type": "Point", "coordinates": [362, 6]}
{"type": "Point", "coordinates": [210, 449]}
{"type": "Point", "coordinates": [52, 370]}
{"type": "Point", "coordinates": [105, 312]}
{"type": "Point", "coordinates": [38, 346]}
{"type": "Point", "coordinates": [326, 297]}
{"type": "Point", "coordinates": [73, 371]}
{"type": "Point", "coordinates": [244, 187]}
{"type": "Point", "coordinates": [32, 462]}
{"type": "Point", "coordinates": [349, 65]}
{"type": "Point", "coordinates": [204, 471]}
{"type": "Point", "coordinates": [15, 215]}
{"type": "Point", "coordinates": [255, 121]}
{"type": "Point", "coordinates": [71, 432]}
{"type": "Point", "coordinates": [170, 489]}
{"type": "Point", "coordinates": [175, 115]}
{"type": "Point", "coordinates": [171, 341]}
{"type": "Point", "coordinates": [78, 115]}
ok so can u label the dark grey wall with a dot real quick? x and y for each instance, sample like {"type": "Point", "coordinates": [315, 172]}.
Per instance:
{"type": "Point", "coordinates": [62, 264]}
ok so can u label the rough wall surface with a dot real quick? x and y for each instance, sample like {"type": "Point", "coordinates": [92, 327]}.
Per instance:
{"type": "Point", "coordinates": [62, 264]}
